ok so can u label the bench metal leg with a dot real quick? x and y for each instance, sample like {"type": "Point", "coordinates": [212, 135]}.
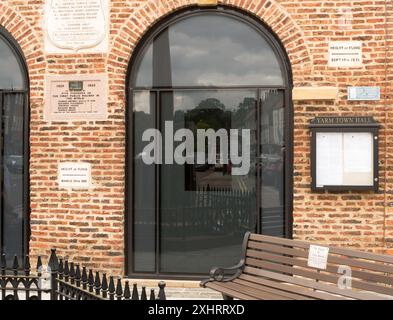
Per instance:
{"type": "Point", "coordinates": [225, 297]}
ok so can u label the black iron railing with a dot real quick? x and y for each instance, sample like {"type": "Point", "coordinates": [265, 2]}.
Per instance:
{"type": "Point", "coordinates": [64, 280]}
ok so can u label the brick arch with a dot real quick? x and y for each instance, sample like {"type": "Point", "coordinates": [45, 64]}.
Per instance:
{"type": "Point", "coordinates": [269, 11]}
{"type": "Point", "coordinates": [27, 39]}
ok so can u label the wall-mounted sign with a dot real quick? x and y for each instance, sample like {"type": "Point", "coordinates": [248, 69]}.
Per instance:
{"type": "Point", "coordinates": [207, 3]}
{"type": "Point", "coordinates": [344, 153]}
{"type": "Point", "coordinates": [76, 26]}
{"type": "Point", "coordinates": [364, 93]}
{"type": "Point", "coordinates": [318, 257]}
{"type": "Point", "coordinates": [74, 175]}
{"type": "Point", "coordinates": [75, 97]}
{"type": "Point", "coordinates": [345, 54]}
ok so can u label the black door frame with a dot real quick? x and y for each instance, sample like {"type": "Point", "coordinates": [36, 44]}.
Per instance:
{"type": "Point", "coordinates": [269, 35]}
{"type": "Point", "coordinates": [6, 36]}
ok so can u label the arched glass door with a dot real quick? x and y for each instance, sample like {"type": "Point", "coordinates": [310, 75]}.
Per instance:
{"type": "Point", "coordinates": [207, 143]}
{"type": "Point", "coordinates": [13, 146]}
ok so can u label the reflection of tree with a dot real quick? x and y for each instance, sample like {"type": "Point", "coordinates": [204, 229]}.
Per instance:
{"type": "Point", "coordinates": [209, 113]}
{"type": "Point", "coordinates": [245, 113]}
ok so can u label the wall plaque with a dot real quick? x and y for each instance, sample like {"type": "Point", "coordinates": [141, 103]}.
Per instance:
{"type": "Point", "coordinates": [345, 54]}
{"type": "Point", "coordinates": [75, 97]}
{"type": "Point", "coordinates": [74, 175]}
{"type": "Point", "coordinates": [364, 93]}
{"type": "Point", "coordinates": [76, 26]}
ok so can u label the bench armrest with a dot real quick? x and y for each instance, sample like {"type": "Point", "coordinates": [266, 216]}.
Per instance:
{"type": "Point", "coordinates": [228, 274]}
{"type": "Point", "coordinates": [224, 274]}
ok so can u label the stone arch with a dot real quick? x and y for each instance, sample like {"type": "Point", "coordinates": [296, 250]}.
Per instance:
{"type": "Point", "coordinates": [268, 11]}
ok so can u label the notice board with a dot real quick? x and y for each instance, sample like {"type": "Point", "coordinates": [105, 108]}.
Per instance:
{"type": "Point", "coordinates": [344, 153]}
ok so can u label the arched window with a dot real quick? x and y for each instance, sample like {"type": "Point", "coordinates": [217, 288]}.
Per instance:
{"type": "Point", "coordinates": [208, 142]}
{"type": "Point", "coordinates": [14, 148]}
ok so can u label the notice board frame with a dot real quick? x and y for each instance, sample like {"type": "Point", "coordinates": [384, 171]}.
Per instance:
{"type": "Point", "coordinates": [341, 125]}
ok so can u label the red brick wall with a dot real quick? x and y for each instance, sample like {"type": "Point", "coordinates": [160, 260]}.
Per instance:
{"type": "Point", "coordinates": [88, 226]}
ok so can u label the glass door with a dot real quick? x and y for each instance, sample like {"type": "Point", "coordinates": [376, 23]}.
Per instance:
{"type": "Point", "coordinates": [207, 206]}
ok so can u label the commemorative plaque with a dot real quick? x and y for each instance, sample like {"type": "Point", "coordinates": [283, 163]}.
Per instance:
{"type": "Point", "coordinates": [74, 175]}
{"type": "Point", "coordinates": [345, 54]}
{"type": "Point", "coordinates": [76, 26]}
{"type": "Point", "coordinates": [75, 97]}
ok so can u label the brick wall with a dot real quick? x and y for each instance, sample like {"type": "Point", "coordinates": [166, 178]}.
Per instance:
{"type": "Point", "coordinates": [88, 225]}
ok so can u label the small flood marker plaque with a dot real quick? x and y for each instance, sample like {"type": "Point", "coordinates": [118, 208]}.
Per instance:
{"type": "Point", "coordinates": [345, 54]}
{"type": "Point", "coordinates": [74, 175]}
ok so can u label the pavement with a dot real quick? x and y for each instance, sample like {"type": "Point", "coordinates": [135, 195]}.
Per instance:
{"type": "Point", "coordinates": [179, 289]}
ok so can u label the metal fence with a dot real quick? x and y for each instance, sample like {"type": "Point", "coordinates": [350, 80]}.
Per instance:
{"type": "Point", "coordinates": [64, 280]}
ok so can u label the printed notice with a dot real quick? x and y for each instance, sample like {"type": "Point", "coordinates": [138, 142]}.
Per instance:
{"type": "Point", "coordinates": [359, 152]}
{"type": "Point", "coordinates": [329, 156]}
{"type": "Point", "coordinates": [75, 97]}
{"type": "Point", "coordinates": [317, 257]}
{"type": "Point", "coordinates": [76, 26]}
{"type": "Point", "coordinates": [74, 175]}
{"type": "Point", "coordinates": [345, 54]}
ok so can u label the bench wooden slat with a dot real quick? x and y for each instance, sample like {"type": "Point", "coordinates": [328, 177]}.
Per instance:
{"type": "Point", "coordinates": [283, 293]}
{"type": "Point", "coordinates": [332, 258]}
{"type": "Point", "coordinates": [238, 295]}
{"type": "Point", "coordinates": [312, 284]}
{"type": "Point", "coordinates": [292, 288]}
{"type": "Point", "coordinates": [335, 250]}
{"type": "Point", "coordinates": [317, 275]}
{"type": "Point", "coordinates": [259, 294]}
{"type": "Point", "coordinates": [333, 268]}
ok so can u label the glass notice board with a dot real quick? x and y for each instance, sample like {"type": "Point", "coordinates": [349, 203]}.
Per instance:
{"type": "Point", "coordinates": [344, 158]}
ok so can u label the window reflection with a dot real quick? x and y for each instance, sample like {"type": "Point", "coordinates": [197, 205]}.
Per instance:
{"type": "Point", "coordinates": [272, 163]}
{"type": "Point", "coordinates": [144, 185]}
{"type": "Point", "coordinates": [210, 51]}
{"type": "Point", "coordinates": [12, 173]}
{"type": "Point", "coordinates": [11, 75]}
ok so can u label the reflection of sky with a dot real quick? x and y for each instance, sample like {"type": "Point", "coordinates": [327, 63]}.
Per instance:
{"type": "Point", "coordinates": [10, 72]}
{"type": "Point", "coordinates": [216, 50]}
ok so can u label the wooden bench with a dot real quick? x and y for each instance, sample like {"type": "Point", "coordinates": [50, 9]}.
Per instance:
{"type": "Point", "coordinates": [277, 269]}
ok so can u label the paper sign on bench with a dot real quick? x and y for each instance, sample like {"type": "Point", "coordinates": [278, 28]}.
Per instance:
{"type": "Point", "coordinates": [317, 257]}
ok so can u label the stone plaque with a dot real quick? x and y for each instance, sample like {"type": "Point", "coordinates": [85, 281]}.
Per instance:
{"type": "Point", "coordinates": [345, 54]}
{"type": "Point", "coordinates": [75, 97]}
{"type": "Point", "coordinates": [74, 175]}
{"type": "Point", "coordinates": [76, 26]}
